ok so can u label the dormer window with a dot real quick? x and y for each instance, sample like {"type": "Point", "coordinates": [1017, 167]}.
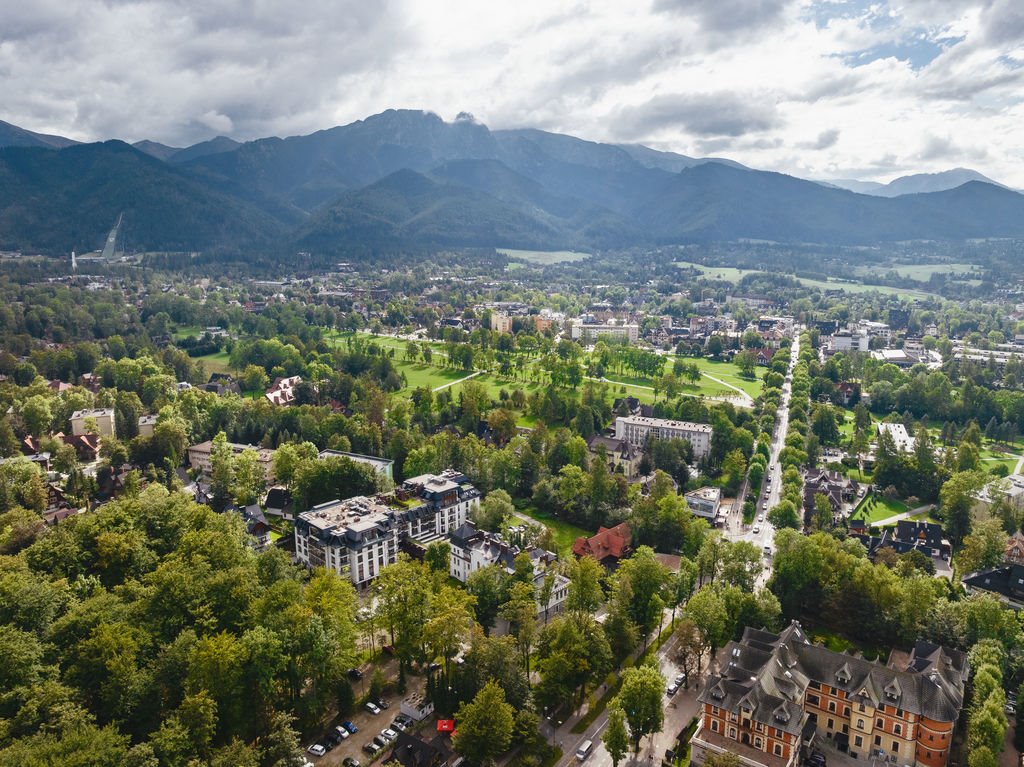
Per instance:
{"type": "Point", "coordinates": [843, 675]}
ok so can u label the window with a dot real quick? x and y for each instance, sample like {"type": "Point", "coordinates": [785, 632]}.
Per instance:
{"type": "Point", "coordinates": [878, 740]}
{"type": "Point", "coordinates": [879, 723]}
{"type": "Point", "coordinates": [714, 725]}
{"type": "Point", "coordinates": [758, 743]}
{"type": "Point", "coordinates": [831, 724]}
{"type": "Point", "coordinates": [832, 706]}
{"type": "Point", "coordinates": [897, 729]}
{"type": "Point", "coordinates": [860, 724]}
{"type": "Point", "coordinates": [813, 700]}
{"type": "Point", "coordinates": [895, 747]}
{"type": "Point", "coordinates": [778, 749]}
{"type": "Point", "coordinates": [858, 741]}
{"type": "Point", "coordinates": [732, 733]}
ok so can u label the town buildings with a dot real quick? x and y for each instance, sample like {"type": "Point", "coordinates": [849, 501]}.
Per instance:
{"type": "Point", "coordinates": [608, 546]}
{"type": "Point", "coordinates": [778, 693]}
{"type": "Point", "coordinates": [621, 455]}
{"type": "Point", "coordinates": [588, 330]}
{"type": "Point", "coordinates": [357, 537]}
{"type": "Point", "coordinates": [83, 420]}
{"type": "Point", "coordinates": [282, 391]}
{"type": "Point", "coordinates": [705, 502]}
{"type": "Point", "coordinates": [637, 429]}
{"type": "Point", "coordinates": [900, 437]}
{"type": "Point", "coordinates": [199, 456]}
{"type": "Point", "coordinates": [473, 549]}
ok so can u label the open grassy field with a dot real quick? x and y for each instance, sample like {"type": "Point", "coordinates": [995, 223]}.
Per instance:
{"type": "Point", "coordinates": [860, 287]}
{"type": "Point", "coordinates": [564, 532]}
{"type": "Point", "coordinates": [920, 272]}
{"type": "Point", "coordinates": [216, 363]}
{"type": "Point", "coordinates": [184, 331]}
{"type": "Point", "coordinates": [723, 273]}
{"type": "Point", "coordinates": [544, 257]}
{"type": "Point", "coordinates": [417, 374]}
{"type": "Point", "coordinates": [731, 274]}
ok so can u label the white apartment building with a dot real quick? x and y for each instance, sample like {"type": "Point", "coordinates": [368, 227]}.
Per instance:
{"type": "Point", "coordinates": [635, 429]}
{"type": "Point", "coordinates": [102, 416]}
{"type": "Point", "coordinates": [357, 538]}
{"type": "Point", "coordinates": [446, 501]}
{"type": "Point", "coordinates": [199, 456]}
{"type": "Point", "coordinates": [501, 322]}
{"type": "Point", "coordinates": [904, 442]}
{"type": "Point", "coordinates": [589, 332]}
{"type": "Point", "coordinates": [844, 341]}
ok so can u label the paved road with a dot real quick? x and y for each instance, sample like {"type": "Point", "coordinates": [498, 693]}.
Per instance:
{"type": "Point", "coordinates": [676, 718]}
{"type": "Point", "coordinates": [761, 533]}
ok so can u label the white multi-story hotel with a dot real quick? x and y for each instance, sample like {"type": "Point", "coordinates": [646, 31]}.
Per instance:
{"type": "Point", "coordinates": [635, 429]}
{"type": "Point", "coordinates": [103, 417]}
{"type": "Point", "coordinates": [359, 536]}
{"type": "Point", "coordinates": [588, 332]}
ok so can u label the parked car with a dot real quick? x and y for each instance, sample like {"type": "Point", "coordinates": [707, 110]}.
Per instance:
{"type": "Point", "coordinates": [370, 748]}
{"type": "Point", "coordinates": [680, 678]}
{"type": "Point", "coordinates": [767, 551]}
{"type": "Point", "coordinates": [380, 742]}
{"type": "Point", "coordinates": [342, 732]}
{"type": "Point", "coordinates": [671, 689]}
{"type": "Point", "coordinates": [399, 725]}
{"type": "Point", "coordinates": [757, 529]}
{"type": "Point", "coordinates": [389, 735]}
{"type": "Point", "coordinates": [349, 761]}
{"type": "Point", "coordinates": [317, 749]}
{"type": "Point", "coordinates": [352, 729]}
{"type": "Point", "coordinates": [354, 673]}
{"type": "Point", "coordinates": [372, 708]}
{"type": "Point", "coordinates": [760, 517]}
{"type": "Point", "coordinates": [383, 704]}
{"type": "Point", "coordinates": [331, 739]}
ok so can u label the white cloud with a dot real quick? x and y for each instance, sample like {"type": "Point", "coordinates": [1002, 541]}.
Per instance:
{"type": "Point", "coordinates": [815, 87]}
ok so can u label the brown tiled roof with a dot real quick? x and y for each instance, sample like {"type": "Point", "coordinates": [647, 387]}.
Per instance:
{"type": "Point", "coordinates": [609, 542]}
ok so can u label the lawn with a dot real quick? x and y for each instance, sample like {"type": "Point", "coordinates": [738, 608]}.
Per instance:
{"type": "Point", "coordinates": [723, 273]}
{"type": "Point", "coordinates": [846, 427]}
{"type": "Point", "coordinates": [920, 272]}
{"type": "Point", "coordinates": [544, 257]}
{"type": "Point", "coordinates": [731, 274]}
{"type": "Point", "coordinates": [216, 363]}
{"type": "Point", "coordinates": [882, 508]}
{"type": "Point", "coordinates": [184, 331]}
{"type": "Point", "coordinates": [417, 374]}
{"type": "Point", "coordinates": [564, 532]}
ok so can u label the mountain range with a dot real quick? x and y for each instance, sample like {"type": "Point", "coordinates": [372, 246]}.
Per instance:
{"type": "Point", "coordinates": [406, 178]}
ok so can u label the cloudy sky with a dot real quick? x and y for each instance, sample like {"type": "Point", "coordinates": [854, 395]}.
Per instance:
{"type": "Point", "coordinates": [817, 88]}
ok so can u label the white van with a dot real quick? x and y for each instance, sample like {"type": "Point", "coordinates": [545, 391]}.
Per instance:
{"type": "Point", "coordinates": [584, 750]}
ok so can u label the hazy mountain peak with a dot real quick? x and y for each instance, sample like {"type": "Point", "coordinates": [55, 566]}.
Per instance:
{"type": "Point", "coordinates": [916, 183]}
{"type": "Point", "coordinates": [12, 135]}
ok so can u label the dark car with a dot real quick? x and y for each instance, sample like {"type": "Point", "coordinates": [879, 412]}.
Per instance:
{"type": "Point", "coordinates": [380, 741]}
{"type": "Point", "coordinates": [349, 761]}
{"type": "Point", "coordinates": [330, 740]}
{"type": "Point", "coordinates": [370, 748]}
{"type": "Point", "coordinates": [350, 727]}
{"type": "Point", "coordinates": [382, 704]}
{"type": "Point", "coordinates": [354, 673]}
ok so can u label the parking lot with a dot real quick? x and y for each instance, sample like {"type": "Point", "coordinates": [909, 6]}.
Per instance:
{"type": "Point", "coordinates": [368, 725]}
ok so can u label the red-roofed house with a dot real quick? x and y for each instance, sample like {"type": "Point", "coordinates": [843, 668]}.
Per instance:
{"type": "Point", "coordinates": [609, 546]}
